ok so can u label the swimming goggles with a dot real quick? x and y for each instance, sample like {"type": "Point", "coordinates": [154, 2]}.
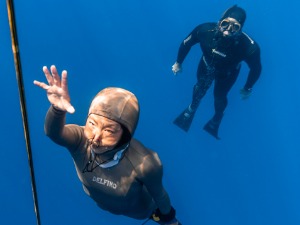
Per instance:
{"type": "Point", "coordinates": [230, 24]}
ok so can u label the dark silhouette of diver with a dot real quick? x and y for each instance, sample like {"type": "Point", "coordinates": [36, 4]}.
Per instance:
{"type": "Point", "coordinates": [224, 46]}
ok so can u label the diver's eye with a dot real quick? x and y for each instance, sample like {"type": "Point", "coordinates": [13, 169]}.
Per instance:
{"type": "Point", "coordinates": [91, 123]}
{"type": "Point", "coordinates": [224, 24]}
{"type": "Point", "coordinates": [109, 131]}
{"type": "Point", "coordinates": [236, 27]}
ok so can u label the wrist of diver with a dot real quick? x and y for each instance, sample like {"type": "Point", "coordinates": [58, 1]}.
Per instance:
{"type": "Point", "coordinates": [57, 110]}
{"type": "Point", "coordinates": [166, 218]}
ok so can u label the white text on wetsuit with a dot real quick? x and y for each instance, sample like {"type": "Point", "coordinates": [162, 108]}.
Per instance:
{"type": "Point", "coordinates": [105, 182]}
{"type": "Point", "coordinates": [219, 53]}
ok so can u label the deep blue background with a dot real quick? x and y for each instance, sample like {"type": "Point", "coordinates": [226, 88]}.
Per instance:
{"type": "Point", "coordinates": [249, 177]}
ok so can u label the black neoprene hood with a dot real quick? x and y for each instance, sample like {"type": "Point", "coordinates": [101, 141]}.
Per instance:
{"type": "Point", "coordinates": [235, 12]}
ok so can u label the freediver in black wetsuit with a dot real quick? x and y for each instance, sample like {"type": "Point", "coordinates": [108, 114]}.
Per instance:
{"type": "Point", "coordinates": [224, 46]}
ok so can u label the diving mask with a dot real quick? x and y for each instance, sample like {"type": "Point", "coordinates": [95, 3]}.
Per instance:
{"type": "Point", "coordinates": [230, 25]}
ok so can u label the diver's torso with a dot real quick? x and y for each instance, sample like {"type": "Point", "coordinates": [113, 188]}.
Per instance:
{"type": "Point", "coordinates": [116, 189]}
{"type": "Point", "coordinates": [219, 52]}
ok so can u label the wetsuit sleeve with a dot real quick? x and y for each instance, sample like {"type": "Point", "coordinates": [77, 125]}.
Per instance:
{"type": "Point", "coordinates": [68, 136]}
{"type": "Point", "coordinates": [254, 62]}
{"type": "Point", "coordinates": [186, 45]}
{"type": "Point", "coordinates": [152, 178]}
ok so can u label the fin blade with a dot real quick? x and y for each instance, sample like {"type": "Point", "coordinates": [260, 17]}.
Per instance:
{"type": "Point", "coordinates": [212, 129]}
{"type": "Point", "coordinates": [184, 122]}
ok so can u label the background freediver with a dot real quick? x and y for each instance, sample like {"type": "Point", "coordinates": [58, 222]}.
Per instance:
{"type": "Point", "coordinates": [224, 46]}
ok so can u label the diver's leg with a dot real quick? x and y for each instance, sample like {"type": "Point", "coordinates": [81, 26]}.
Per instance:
{"type": "Point", "coordinates": [205, 79]}
{"type": "Point", "coordinates": [185, 119]}
{"type": "Point", "coordinates": [196, 98]}
{"type": "Point", "coordinates": [223, 84]}
{"type": "Point", "coordinates": [222, 87]}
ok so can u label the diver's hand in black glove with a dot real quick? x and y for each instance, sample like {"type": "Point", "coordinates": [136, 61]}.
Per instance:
{"type": "Point", "coordinates": [162, 219]}
{"type": "Point", "coordinates": [245, 93]}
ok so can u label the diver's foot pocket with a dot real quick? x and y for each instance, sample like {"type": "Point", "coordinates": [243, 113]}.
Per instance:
{"type": "Point", "coordinates": [212, 128]}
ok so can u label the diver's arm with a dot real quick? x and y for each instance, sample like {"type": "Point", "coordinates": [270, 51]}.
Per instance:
{"type": "Point", "coordinates": [182, 53]}
{"type": "Point", "coordinates": [58, 96]}
{"type": "Point", "coordinates": [153, 173]}
{"type": "Point", "coordinates": [55, 128]}
{"type": "Point", "coordinates": [254, 62]}
{"type": "Point", "coordinates": [186, 45]}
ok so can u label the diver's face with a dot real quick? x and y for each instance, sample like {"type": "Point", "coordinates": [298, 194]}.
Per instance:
{"type": "Point", "coordinates": [103, 134]}
{"type": "Point", "coordinates": [229, 27]}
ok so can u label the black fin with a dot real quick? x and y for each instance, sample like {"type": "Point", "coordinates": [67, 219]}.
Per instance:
{"type": "Point", "coordinates": [212, 128]}
{"type": "Point", "coordinates": [184, 120]}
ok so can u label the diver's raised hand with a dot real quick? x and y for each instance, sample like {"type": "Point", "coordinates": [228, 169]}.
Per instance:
{"type": "Point", "coordinates": [57, 89]}
{"type": "Point", "coordinates": [176, 68]}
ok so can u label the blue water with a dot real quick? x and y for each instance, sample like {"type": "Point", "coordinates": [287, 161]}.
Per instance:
{"type": "Point", "coordinates": [250, 177]}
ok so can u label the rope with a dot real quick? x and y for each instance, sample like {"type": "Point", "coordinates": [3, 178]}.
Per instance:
{"type": "Point", "coordinates": [17, 62]}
